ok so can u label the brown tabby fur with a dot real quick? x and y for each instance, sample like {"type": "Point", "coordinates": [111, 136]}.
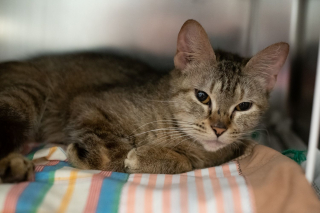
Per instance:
{"type": "Point", "coordinates": [118, 115]}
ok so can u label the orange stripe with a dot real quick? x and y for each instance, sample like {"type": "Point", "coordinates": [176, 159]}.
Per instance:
{"type": "Point", "coordinates": [13, 195]}
{"type": "Point", "coordinates": [184, 193]}
{"type": "Point", "coordinates": [66, 199]}
{"type": "Point", "coordinates": [216, 189]}
{"type": "Point", "coordinates": [149, 193]}
{"type": "Point", "coordinates": [200, 191]}
{"type": "Point", "coordinates": [51, 151]}
{"type": "Point", "coordinates": [166, 196]}
{"type": "Point", "coordinates": [234, 188]}
{"type": "Point", "coordinates": [132, 192]}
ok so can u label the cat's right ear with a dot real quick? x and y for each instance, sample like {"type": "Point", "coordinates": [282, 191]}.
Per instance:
{"type": "Point", "coordinates": [268, 63]}
{"type": "Point", "coordinates": [193, 45]}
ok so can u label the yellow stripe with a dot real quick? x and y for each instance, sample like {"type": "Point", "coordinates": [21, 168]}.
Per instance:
{"type": "Point", "coordinates": [66, 198]}
{"type": "Point", "coordinates": [51, 151]}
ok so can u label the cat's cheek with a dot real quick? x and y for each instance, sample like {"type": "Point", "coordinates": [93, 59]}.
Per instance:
{"type": "Point", "coordinates": [246, 121]}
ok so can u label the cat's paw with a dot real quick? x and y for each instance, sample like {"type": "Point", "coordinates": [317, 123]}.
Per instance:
{"type": "Point", "coordinates": [16, 168]}
{"type": "Point", "coordinates": [156, 160]}
{"type": "Point", "coordinates": [141, 160]}
{"type": "Point", "coordinates": [132, 162]}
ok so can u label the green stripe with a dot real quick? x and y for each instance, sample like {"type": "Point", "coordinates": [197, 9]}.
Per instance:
{"type": "Point", "coordinates": [43, 192]}
{"type": "Point", "coordinates": [31, 154]}
{"type": "Point", "coordinates": [119, 186]}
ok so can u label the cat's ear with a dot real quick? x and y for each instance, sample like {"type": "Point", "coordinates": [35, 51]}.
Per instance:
{"type": "Point", "coordinates": [268, 63]}
{"type": "Point", "coordinates": [193, 45]}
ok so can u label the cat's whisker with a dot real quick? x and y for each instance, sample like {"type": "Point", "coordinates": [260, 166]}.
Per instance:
{"type": "Point", "coordinates": [163, 122]}
{"type": "Point", "coordinates": [188, 138]}
{"type": "Point", "coordinates": [169, 133]}
{"type": "Point", "coordinates": [267, 132]}
{"type": "Point", "coordinates": [160, 101]}
{"type": "Point", "coordinates": [168, 136]}
{"type": "Point", "coordinates": [179, 144]}
{"type": "Point", "coordinates": [161, 129]}
{"type": "Point", "coordinates": [173, 138]}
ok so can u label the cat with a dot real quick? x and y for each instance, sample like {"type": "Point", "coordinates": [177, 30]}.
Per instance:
{"type": "Point", "coordinates": [117, 114]}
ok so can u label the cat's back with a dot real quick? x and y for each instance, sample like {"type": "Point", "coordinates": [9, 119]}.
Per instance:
{"type": "Point", "coordinates": [92, 70]}
{"type": "Point", "coordinates": [49, 85]}
{"type": "Point", "coordinates": [76, 71]}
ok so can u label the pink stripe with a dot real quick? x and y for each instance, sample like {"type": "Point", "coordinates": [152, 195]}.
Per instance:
{"type": "Point", "coordinates": [52, 163]}
{"type": "Point", "coordinates": [95, 189]}
{"type": "Point", "coordinates": [216, 189]}
{"type": "Point", "coordinates": [166, 196]}
{"type": "Point", "coordinates": [39, 168]}
{"type": "Point", "coordinates": [251, 195]}
{"type": "Point", "coordinates": [106, 173]}
{"type": "Point", "coordinates": [234, 188]}
{"type": "Point", "coordinates": [200, 191]}
{"type": "Point", "coordinates": [13, 196]}
{"type": "Point", "coordinates": [149, 193]}
{"type": "Point", "coordinates": [250, 190]}
{"type": "Point", "coordinates": [184, 193]}
{"type": "Point", "coordinates": [132, 192]}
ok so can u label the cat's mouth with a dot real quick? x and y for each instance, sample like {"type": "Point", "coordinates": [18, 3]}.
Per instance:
{"type": "Point", "coordinates": [213, 145]}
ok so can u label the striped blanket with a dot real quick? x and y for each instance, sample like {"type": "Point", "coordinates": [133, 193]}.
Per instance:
{"type": "Point", "coordinates": [58, 187]}
{"type": "Point", "coordinates": [233, 187]}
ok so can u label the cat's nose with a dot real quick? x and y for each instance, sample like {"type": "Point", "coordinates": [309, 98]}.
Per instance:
{"type": "Point", "coordinates": [218, 131]}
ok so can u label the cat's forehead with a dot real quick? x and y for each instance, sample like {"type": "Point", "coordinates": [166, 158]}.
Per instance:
{"type": "Point", "coordinates": [227, 69]}
{"type": "Point", "coordinates": [227, 82]}
{"type": "Point", "coordinates": [224, 76]}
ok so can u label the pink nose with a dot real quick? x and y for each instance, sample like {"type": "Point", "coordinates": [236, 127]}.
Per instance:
{"type": "Point", "coordinates": [218, 131]}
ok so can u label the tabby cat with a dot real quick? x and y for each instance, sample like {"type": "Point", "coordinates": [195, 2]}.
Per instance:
{"type": "Point", "coordinates": [116, 114]}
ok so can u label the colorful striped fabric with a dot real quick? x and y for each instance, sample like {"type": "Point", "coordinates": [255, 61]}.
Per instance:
{"type": "Point", "coordinates": [58, 187]}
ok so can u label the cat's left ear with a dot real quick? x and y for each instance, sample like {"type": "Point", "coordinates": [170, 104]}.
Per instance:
{"type": "Point", "coordinates": [268, 63]}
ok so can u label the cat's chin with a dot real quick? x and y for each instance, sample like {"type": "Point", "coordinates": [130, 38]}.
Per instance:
{"type": "Point", "coordinates": [212, 145]}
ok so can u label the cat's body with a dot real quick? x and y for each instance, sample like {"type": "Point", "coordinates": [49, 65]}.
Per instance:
{"type": "Point", "coordinates": [118, 114]}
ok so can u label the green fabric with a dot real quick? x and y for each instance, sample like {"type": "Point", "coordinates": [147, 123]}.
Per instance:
{"type": "Point", "coordinates": [296, 155]}
{"type": "Point", "coordinates": [43, 192]}
{"type": "Point", "coordinates": [31, 154]}
{"type": "Point", "coordinates": [255, 135]}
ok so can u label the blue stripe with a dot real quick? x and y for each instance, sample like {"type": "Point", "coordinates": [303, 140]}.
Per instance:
{"type": "Point", "coordinates": [44, 175]}
{"type": "Point", "coordinates": [110, 192]}
{"type": "Point", "coordinates": [29, 196]}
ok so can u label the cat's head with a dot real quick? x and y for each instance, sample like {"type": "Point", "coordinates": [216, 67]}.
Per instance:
{"type": "Point", "coordinates": [218, 98]}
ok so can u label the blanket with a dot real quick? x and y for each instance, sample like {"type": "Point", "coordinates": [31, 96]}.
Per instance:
{"type": "Point", "coordinates": [264, 181]}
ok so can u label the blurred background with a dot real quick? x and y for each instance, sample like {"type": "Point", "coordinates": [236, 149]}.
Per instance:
{"type": "Point", "coordinates": [148, 30]}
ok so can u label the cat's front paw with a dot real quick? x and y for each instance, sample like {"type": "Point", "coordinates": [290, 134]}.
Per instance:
{"type": "Point", "coordinates": [132, 162]}
{"type": "Point", "coordinates": [141, 160]}
{"type": "Point", "coordinates": [156, 160]}
{"type": "Point", "coordinates": [16, 168]}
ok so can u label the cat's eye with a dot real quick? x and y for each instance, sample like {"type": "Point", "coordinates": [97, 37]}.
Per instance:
{"type": "Point", "coordinates": [202, 97]}
{"type": "Point", "coordinates": [243, 106]}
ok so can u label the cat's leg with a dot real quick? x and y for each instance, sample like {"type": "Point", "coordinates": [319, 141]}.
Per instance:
{"type": "Point", "coordinates": [93, 153]}
{"type": "Point", "coordinates": [97, 141]}
{"type": "Point", "coordinates": [156, 160]}
{"type": "Point", "coordinates": [21, 102]}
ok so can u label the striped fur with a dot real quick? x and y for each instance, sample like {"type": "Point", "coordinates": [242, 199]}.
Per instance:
{"type": "Point", "coordinates": [117, 114]}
